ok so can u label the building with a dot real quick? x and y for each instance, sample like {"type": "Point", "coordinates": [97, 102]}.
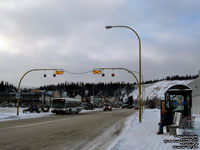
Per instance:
{"type": "Point", "coordinates": [31, 97]}
{"type": "Point", "coordinates": [195, 85]}
{"type": "Point", "coordinates": [7, 97]}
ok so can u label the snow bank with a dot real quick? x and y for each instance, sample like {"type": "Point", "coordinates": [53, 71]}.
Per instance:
{"type": "Point", "coordinates": [11, 113]}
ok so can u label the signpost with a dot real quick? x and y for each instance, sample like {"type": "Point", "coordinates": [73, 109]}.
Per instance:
{"type": "Point", "coordinates": [59, 72]}
{"type": "Point", "coordinates": [96, 71]}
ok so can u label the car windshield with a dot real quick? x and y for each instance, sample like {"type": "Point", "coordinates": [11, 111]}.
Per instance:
{"type": "Point", "coordinates": [58, 103]}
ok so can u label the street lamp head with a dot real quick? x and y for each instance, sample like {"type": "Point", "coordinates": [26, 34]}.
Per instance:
{"type": "Point", "coordinates": [108, 27]}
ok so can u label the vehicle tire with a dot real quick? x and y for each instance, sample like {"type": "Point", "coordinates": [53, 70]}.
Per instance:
{"type": "Point", "coordinates": [77, 112]}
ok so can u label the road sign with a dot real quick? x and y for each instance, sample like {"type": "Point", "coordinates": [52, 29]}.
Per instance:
{"type": "Point", "coordinates": [59, 72]}
{"type": "Point", "coordinates": [96, 71]}
{"type": "Point", "coordinates": [17, 95]}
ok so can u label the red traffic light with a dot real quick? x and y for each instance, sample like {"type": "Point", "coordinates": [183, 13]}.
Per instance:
{"type": "Point", "coordinates": [113, 75]}
{"type": "Point", "coordinates": [103, 75]}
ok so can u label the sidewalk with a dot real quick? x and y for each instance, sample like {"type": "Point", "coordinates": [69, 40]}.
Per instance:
{"type": "Point", "coordinates": [142, 136]}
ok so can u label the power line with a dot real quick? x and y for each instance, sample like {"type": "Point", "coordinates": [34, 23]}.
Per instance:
{"type": "Point", "coordinates": [78, 72]}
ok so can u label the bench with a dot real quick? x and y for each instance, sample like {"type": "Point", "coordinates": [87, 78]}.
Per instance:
{"type": "Point", "coordinates": [177, 123]}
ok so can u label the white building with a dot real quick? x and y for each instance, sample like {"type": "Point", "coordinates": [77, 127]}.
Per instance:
{"type": "Point", "coordinates": [195, 85]}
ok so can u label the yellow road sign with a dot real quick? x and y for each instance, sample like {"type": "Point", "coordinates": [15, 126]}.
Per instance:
{"type": "Point", "coordinates": [59, 72]}
{"type": "Point", "coordinates": [96, 71]}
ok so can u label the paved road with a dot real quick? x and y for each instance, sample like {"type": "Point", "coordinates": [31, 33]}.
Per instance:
{"type": "Point", "coordinates": [85, 131]}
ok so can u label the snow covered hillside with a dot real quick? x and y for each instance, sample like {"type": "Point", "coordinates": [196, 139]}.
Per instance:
{"type": "Point", "coordinates": [158, 89]}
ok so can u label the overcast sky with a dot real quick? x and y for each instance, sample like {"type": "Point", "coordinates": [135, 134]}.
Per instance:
{"type": "Point", "coordinates": [71, 34]}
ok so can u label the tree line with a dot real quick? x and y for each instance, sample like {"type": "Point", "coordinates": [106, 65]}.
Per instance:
{"type": "Point", "coordinates": [88, 89]}
{"type": "Point", "coordinates": [174, 77]}
{"type": "Point", "coordinates": [7, 87]}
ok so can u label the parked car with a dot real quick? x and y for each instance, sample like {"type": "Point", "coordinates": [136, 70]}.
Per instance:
{"type": "Point", "coordinates": [45, 108]}
{"type": "Point", "coordinates": [136, 107]}
{"type": "Point", "coordinates": [107, 107]}
{"type": "Point", "coordinates": [127, 106]}
{"type": "Point", "coordinates": [124, 106]}
{"type": "Point", "coordinates": [32, 109]}
{"type": "Point", "coordinates": [11, 105]}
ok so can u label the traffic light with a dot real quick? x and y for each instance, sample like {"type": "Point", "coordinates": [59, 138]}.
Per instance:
{"type": "Point", "coordinates": [54, 75]}
{"type": "Point", "coordinates": [113, 75]}
{"type": "Point", "coordinates": [60, 72]}
{"type": "Point", "coordinates": [103, 75]}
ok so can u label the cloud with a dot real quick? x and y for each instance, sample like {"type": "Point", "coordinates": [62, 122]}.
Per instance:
{"type": "Point", "coordinates": [72, 35]}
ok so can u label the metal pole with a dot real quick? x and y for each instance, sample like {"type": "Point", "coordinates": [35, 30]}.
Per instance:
{"type": "Point", "coordinates": [140, 65]}
{"type": "Point", "coordinates": [93, 95]}
{"type": "Point", "coordinates": [143, 91]}
{"type": "Point", "coordinates": [18, 89]}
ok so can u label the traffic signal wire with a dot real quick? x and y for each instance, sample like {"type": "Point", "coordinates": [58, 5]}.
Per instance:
{"type": "Point", "coordinates": [78, 72]}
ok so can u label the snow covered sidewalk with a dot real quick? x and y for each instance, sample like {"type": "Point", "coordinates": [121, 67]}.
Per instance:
{"type": "Point", "coordinates": [142, 136]}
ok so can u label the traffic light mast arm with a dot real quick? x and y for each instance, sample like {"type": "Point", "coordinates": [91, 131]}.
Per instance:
{"type": "Point", "coordinates": [18, 89]}
{"type": "Point", "coordinates": [121, 69]}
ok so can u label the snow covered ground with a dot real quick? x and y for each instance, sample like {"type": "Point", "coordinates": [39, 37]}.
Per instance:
{"type": "Point", "coordinates": [142, 136]}
{"type": "Point", "coordinates": [10, 114]}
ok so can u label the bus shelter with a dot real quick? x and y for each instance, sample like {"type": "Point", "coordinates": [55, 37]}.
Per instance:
{"type": "Point", "coordinates": [178, 100]}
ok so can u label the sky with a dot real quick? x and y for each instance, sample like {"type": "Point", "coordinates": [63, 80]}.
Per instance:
{"type": "Point", "coordinates": [71, 35]}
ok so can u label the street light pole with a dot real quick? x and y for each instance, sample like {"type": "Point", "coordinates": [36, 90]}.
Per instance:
{"type": "Point", "coordinates": [140, 64]}
{"type": "Point", "coordinates": [143, 90]}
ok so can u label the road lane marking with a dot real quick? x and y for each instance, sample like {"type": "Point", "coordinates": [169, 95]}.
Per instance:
{"type": "Point", "coordinates": [35, 124]}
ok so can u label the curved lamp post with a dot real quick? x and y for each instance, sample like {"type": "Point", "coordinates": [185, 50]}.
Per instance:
{"type": "Point", "coordinates": [18, 89]}
{"type": "Point", "coordinates": [109, 27]}
{"type": "Point", "coordinates": [143, 90]}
